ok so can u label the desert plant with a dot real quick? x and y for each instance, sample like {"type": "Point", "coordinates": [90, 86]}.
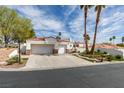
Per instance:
{"type": "Point", "coordinates": [104, 52]}
{"type": "Point", "coordinates": [109, 58]}
{"type": "Point", "coordinates": [12, 60]}
{"type": "Point", "coordinates": [98, 51]}
{"type": "Point", "coordinates": [118, 57]}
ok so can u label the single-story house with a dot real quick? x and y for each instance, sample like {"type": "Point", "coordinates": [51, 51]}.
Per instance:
{"type": "Point", "coordinates": [48, 45]}
{"type": "Point", "coordinates": [110, 49]}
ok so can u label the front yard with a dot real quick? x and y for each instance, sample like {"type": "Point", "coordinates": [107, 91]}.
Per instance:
{"type": "Point", "coordinates": [6, 62]}
{"type": "Point", "coordinates": [99, 57]}
{"type": "Point", "coordinates": [4, 52]}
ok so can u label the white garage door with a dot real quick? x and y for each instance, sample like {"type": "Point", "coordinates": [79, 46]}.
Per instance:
{"type": "Point", "coordinates": [42, 49]}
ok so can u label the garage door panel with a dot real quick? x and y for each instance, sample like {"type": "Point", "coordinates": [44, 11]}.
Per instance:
{"type": "Point", "coordinates": [42, 49]}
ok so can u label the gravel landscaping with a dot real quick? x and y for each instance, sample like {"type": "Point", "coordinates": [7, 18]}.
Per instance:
{"type": "Point", "coordinates": [4, 53]}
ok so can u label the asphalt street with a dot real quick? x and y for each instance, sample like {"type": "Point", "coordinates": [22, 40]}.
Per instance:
{"type": "Point", "coordinates": [110, 75]}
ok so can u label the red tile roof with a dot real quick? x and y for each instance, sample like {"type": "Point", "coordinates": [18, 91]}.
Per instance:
{"type": "Point", "coordinates": [40, 38]}
{"type": "Point", "coordinates": [37, 39]}
{"type": "Point", "coordinates": [106, 46]}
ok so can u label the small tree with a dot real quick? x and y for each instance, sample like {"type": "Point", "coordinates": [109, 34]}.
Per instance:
{"type": "Point", "coordinates": [22, 30]}
{"type": "Point", "coordinates": [7, 17]}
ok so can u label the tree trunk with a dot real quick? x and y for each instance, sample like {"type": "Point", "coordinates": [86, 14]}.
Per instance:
{"type": "Point", "coordinates": [95, 33]}
{"type": "Point", "coordinates": [94, 40]}
{"type": "Point", "coordinates": [5, 41]}
{"type": "Point", "coordinates": [19, 51]}
{"type": "Point", "coordinates": [85, 32]}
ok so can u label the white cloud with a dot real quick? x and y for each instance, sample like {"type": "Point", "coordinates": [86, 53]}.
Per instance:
{"type": "Point", "coordinates": [41, 19]}
{"type": "Point", "coordinates": [111, 23]}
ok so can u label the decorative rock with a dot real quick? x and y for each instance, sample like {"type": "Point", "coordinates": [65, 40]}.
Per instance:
{"type": "Point", "coordinates": [3, 63]}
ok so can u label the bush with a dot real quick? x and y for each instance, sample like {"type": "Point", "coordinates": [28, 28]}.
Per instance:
{"type": "Point", "coordinates": [81, 54]}
{"type": "Point", "coordinates": [98, 51]}
{"type": "Point", "coordinates": [119, 57]}
{"type": "Point", "coordinates": [104, 52]}
{"type": "Point", "coordinates": [13, 60]}
{"type": "Point", "coordinates": [109, 58]}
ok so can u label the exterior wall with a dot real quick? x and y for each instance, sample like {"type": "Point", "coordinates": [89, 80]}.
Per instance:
{"type": "Point", "coordinates": [28, 44]}
{"type": "Point", "coordinates": [47, 41]}
{"type": "Point", "coordinates": [113, 52]}
{"type": "Point", "coordinates": [122, 50]}
{"type": "Point", "coordinates": [81, 45]}
{"type": "Point", "coordinates": [28, 52]}
{"type": "Point", "coordinates": [80, 49]}
{"type": "Point", "coordinates": [50, 40]}
{"type": "Point", "coordinates": [70, 46]}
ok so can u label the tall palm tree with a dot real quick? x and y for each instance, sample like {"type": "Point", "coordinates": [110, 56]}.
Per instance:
{"type": "Point", "coordinates": [123, 40]}
{"type": "Point", "coordinates": [98, 9]}
{"type": "Point", "coordinates": [114, 37]}
{"type": "Point", "coordinates": [85, 8]}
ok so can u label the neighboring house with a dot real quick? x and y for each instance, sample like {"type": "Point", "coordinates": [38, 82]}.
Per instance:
{"type": "Point", "coordinates": [47, 45]}
{"type": "Point", "coordinates": [80, 46]}
{"type": "Point", "coordinates": [110, 49]}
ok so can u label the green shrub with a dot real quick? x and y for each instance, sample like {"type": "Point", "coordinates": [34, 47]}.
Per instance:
{"type": "Point", "coordinates": [104, 52]}
{"type": "Point", "coordinates": [13, 60]}
{"type": "Point", "coordinates": [118, 57]}
{"type": "Point", "coordinates": [98, 51]}
{"type": "Point", "coordinates": [109, 58]}
{"type": "Point", "coordinates": [81, 53]}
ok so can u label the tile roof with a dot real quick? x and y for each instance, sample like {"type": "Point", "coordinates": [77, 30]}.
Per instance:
{"type": "Point", "coordinates": [108, 46]}
{"type": "Point", "coordinates": [37, 39]}
{"type": "Point", "coordinates": [40, 38]}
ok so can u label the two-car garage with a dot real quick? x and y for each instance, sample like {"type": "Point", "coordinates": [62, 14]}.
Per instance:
{"type": "Point", "coordinates": [41, 49]}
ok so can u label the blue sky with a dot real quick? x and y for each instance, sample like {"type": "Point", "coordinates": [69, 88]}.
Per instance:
{"type": "Point", "coordinates": [49, 20]}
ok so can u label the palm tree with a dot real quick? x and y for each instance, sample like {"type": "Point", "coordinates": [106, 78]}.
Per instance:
{"type": "Point", "coordinates": [110, 39]}
{"type": "Point", "coordinates": [114, 37]}
{"type": "Point", "coordinates": [98, 9]}
{"type": "Point", "coordinates": [58, 37]}
{"type": "Point", "coordinates": [123, 40]}
{"type": "Point", "coordinates": [85, 7]}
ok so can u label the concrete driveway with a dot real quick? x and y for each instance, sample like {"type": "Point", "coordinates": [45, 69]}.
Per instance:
{"type": "Point", "coordinates": [52, 61]}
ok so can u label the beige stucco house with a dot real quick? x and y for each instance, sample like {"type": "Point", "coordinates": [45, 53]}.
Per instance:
{"type": "Point", "coordinates": [48, 45]}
